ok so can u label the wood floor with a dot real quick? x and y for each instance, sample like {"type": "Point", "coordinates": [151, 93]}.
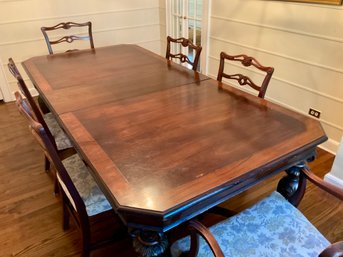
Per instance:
{"type": "Point", "coordinates": [30, 215]}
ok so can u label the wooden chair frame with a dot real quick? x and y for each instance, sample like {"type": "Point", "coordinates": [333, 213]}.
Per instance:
{"type": "Point", "coordinates": [183, 58]}
{"type": "Point", "coordinates": [244, 80]}
{"type": "Point", "coordinates": [197, 229]}
{"type": "Point", "coordinates": [37, 113]}
{"type": "Point", "coordinates": [67, 39]}
{"type": "Point", "coordinates": [39, 117]}
{"type": "Point", "coordinates": [80, 215]}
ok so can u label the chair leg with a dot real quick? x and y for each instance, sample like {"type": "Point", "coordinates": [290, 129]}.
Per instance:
{"type": "Point", "coordinates": [86, 247]}
{"type": "Point", "coordinates": [56, 186]}
{"type": "Point", "coordinates": [85, 252]}
{"type": "Point", "coordinates": [66, 216]}
{"type": "Point", "coordinates": [47, 164]}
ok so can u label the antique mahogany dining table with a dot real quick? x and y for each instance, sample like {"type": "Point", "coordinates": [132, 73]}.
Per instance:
{"type": "Point", "coordinates": [166, 143]}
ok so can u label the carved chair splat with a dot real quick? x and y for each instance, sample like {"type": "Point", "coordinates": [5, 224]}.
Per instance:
{"type": "Point", "coordinates": [68, 38]}
{"type": "Point", "coordinates": [246, 61]}
{"type": "Point", "coordinates": [183, 58]}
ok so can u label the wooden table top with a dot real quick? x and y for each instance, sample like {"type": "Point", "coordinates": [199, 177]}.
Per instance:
{"type": "Point", "coordinates": [165, 154]}
{"type": "Point", "coordinates": [91, 77]}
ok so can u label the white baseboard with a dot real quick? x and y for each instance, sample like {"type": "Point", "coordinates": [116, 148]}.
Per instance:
{"type": "Point", "coordinates": [330, 146]}
{"type": "Point", "coordinates": [333, 180]}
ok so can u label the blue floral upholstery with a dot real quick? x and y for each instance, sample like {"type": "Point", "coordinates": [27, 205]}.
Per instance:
{"type": "Point", "coordinates": [273, 227]}
{"type": "Point", "coordinates": [61, 139]}
{"type": "Point", "coordinates": [85, 184]}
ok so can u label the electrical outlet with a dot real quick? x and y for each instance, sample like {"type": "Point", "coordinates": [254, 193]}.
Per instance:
{"type": "Point", "coordinates": [314, 113]}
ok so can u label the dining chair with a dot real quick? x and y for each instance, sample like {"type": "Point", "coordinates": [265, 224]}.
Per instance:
{"type": "Point", "coordinates": [50, 124]}
{"type": "Point", "coordinates": [271, 227]}
{"type": "Point", "coordinates": [81, 196]}
{"type": "Point", "coordinates": [67, 38]}
{"type": "Point", "coordinates": [246, 61]}
{"type": "Point", "coordinates": [183, 42]}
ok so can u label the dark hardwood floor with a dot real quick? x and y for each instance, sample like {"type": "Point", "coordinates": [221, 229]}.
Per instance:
{"type": "Point", "coordinates": [31, 216]}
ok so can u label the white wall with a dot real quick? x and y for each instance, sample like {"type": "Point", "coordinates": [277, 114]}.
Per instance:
{"type": "Point", "coordinates": [163, 26]}
{"type": "Point", "coordinates": [114, 22]}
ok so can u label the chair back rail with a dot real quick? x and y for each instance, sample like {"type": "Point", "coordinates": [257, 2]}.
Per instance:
{"type": "Point", "coordinates": [182, 57]}
{"type": "Point", "coordinates": [328, 187]}
{"type": "Point", "coordinates": [68, 38]}
{"type": "Point", "coordinates": [32, 104]}
{"type": "Point", "coordinates": [246, 61]}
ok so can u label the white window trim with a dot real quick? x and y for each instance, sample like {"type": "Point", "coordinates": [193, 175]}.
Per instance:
{"type": "Point", "coordinates": [205, 31]}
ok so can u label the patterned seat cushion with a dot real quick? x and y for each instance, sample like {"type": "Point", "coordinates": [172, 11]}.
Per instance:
{"type": "Point", "coordinates": [85, 184]}
{"type": "Point", "coordinates": [61, 139]}
{"type": "Point", "coordinates": [272, 227]}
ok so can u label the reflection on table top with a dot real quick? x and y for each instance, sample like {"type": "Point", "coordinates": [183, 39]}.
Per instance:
{"type": "Point", "coordinates": [90, 77]}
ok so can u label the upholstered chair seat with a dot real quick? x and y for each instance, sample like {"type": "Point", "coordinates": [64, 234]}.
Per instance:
{"type": "Point", "coordinates": [61, 139]}
{"type": "Point", "coordinates": [272, 227]}
{"type": "Point", "coordinates": [95, 201]}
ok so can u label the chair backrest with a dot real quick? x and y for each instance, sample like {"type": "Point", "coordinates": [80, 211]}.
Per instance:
{"type": "Point", "coordinates": [25, 91]}
{"type": "Point", "coordinates": [244, 80]}
{"type": "Point", "coordinates": [68, 38]}
{"type": "Point", "coordinates": [50, 152]}
{"type": "Point", "coordinates": [183, 58]}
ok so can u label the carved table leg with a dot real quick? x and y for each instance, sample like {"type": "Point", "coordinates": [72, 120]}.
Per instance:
{"type": "Point", "coordinates": [149, 243]}
{"type": "Point", "coordinates": [293, 185]}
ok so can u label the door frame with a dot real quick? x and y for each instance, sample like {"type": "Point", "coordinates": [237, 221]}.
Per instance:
{"type": "Point", "coordinates": [4, 85]}
{"type": "Point", "coordinates": [205, 31]}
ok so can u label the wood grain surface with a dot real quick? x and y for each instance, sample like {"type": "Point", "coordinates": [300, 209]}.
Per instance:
{"type": "Point", "coordinates": [80, 79]}
{"type": "Point", "coordinates": [166, 143]}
